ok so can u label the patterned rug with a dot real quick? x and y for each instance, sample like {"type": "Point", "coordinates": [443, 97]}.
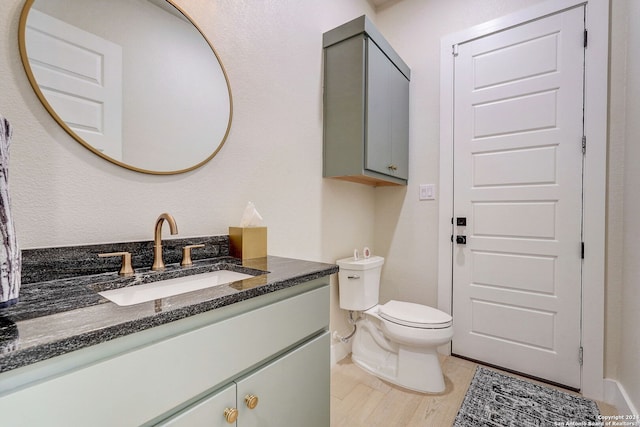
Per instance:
{"type": "Point", "coordinates": [497, 400]}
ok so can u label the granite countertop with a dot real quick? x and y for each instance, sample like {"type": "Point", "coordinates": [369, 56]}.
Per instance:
{"type": "Point", "coordinates": [59, 316]}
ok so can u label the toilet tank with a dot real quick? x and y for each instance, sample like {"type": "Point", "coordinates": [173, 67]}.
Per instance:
{"type": "Point", "coordinates": [359, 282]}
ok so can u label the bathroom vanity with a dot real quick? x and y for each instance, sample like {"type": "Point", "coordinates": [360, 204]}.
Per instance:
{"type": "Point", "coordinates": [254, 352]}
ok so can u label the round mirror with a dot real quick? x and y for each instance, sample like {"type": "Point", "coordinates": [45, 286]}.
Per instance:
{"type": "Point", "coordinates": [134, 81]}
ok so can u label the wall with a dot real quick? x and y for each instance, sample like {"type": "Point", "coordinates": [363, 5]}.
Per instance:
{"type": "Point", "coordinates": [615, 186]}
{"type": "Point", "coordinates": [628, 372]}
{"type": "Point", "coordinates": [622, 339]}
{"type": "Point", "coordinates": [272, 51]}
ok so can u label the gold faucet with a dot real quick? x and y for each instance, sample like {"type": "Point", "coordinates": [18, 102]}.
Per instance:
{"type": "Point", "coordinates": [158, 264]}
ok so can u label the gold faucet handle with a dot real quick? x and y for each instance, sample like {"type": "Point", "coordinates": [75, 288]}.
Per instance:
{"type": "Point", "coordinates": [186, 254]}
{"type": "Point", "coordinates": [126, 269]}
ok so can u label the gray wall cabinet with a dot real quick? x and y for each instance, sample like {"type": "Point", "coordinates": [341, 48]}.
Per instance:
{"type": "Point", "coordinates": [366, 106]}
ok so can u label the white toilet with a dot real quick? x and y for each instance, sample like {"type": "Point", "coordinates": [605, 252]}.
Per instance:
{"type": "Point", "coordinates": [396, 341]}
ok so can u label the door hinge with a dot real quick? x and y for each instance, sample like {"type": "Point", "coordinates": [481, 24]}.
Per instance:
{"type": "Point", "coordinates": [585, 37]}
{"type": "Point", "coordinates": [581, 250]}
{"type": "Point", "coordinates": [454, 50]}
{"type": "Point", "coordinates": [584, 144]}
{"type": "Point", "coordinates": [580, 355]}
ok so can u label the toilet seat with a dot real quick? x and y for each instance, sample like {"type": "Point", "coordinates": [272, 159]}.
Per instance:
{"type": "Point", "coordinates": [414, 315]}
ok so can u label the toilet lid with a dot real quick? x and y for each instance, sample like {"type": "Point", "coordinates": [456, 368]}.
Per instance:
{"type": "Point", "coordinates": [414, 315]}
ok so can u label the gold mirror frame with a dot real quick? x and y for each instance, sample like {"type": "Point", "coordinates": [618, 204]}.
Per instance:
{"type": "Point", "coordinates": [34, 84]}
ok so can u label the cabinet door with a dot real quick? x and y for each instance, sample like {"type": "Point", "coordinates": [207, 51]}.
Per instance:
{"type": "Point", "coordinates": [399, 123]}
{"type": "Point", "coordinates": [210, 412]}
{"type": "Point", "coordinates": [387, 122]}
{"type": "Point", "coordinates": [292, 391]}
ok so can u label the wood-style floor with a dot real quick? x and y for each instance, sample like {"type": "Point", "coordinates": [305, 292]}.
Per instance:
{"type": "Point", "coordinates": [359, 399]}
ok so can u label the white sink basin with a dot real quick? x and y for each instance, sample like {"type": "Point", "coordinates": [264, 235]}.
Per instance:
{"type": "Point", "coordinates": [166, 288]}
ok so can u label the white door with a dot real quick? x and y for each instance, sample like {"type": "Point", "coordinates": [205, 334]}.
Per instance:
{"type": "Point", "coordinates": [518, 183]}
{"type": "Point", "coordinates": [80, 75]}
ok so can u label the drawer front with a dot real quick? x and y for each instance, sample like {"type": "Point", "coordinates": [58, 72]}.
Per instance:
{"type": "Point", "coordinates": [139, 386]}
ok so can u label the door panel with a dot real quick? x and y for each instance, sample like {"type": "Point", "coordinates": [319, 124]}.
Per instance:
{"type": "Point", "coordinates": [518, 180]}
{"type": "Point", "coordinates": [523, 59]}
{"type": "Point", "coordinates": [525, 273]}
{"type": "Point", "coordinates": [501, 168]}
{"type": "Point", "coordinates": [503, 321]}
{"type": "Point", "coordinates": [80, 75]}
{"type": "Point", "coordinates": [535, 220]}
{"type": "Point", "coordinates": [506, 116]}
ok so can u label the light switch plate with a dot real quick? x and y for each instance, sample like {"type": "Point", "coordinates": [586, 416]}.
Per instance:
{"type": "Point", "coordinates": [427, 192]}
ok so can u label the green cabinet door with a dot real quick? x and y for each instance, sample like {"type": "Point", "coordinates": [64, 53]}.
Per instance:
{"type": "Point", "coordinates": [387, 116]}
{"type": "Point", "coordinates": [291, 391]}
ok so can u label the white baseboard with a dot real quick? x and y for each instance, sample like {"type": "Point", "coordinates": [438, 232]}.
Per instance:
{"type": "Point", "coordinates": [339, 351]}
{"type": "Point", "coordinates": [616, 395]}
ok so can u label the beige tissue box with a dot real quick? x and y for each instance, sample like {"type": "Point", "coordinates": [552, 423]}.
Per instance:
{"type": "Point", "coordinates": [248, 242]}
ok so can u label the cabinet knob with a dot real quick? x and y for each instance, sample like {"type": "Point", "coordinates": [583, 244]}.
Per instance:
{"type": "Point", "coordinates": [392, 167]}
{"type": "Point", "coordinates": [231, 415]}
{"type": "Point", "coordinates": [251, 401]}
